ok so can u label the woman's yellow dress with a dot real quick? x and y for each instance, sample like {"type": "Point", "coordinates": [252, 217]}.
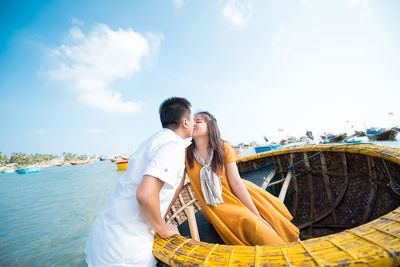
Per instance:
{"type": "Point", "coordinates": [234, 222]}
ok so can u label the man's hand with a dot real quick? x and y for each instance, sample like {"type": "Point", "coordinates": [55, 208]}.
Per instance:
{"type": "Point", "coordinates": [167, 231]}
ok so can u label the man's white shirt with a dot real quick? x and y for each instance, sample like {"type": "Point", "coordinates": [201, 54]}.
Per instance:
{"type": "Point", "coordinates": [119, 235]}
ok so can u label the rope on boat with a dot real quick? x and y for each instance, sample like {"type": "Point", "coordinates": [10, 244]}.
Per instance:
{"type": "Point", "coordinates": [313, 155]}
{"type": "Point", "coordinates": [230, 257]}
{"type": "Point", "coordinates": [175, 250]}
{"type": "Point", "coordinates": [386, 232]}
{"type": "Point", "coordinates": [208, 256]}
{"type": "Point", "coordinates": [286, 258]}
{"type": "Point", "coordinates": [391, 253]}
{"type": "Point", "coordinates": [268, 163]}
{"type": "Point", "coordinates": [393, 185]}
{"type": "Point", "coordinates": [347, 251]}
{"type": "Point", "coordinates": [320, 264]}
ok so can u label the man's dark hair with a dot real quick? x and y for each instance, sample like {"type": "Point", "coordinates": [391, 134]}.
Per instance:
{"type": "Point", "coordinates": [172, 110]}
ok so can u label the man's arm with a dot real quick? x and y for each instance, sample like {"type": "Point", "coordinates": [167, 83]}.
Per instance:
{"type": "Point", "coordinates": [176, 193]}
{"type": "Point", "coordinates": [148, 197]}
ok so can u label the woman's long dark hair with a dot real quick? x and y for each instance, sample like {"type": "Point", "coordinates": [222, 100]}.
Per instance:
{"type": "Point", "coordinates": [216, 144]}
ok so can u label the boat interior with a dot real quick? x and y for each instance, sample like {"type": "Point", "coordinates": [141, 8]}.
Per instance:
{"type": "Point", "coordinates": [327, 192]}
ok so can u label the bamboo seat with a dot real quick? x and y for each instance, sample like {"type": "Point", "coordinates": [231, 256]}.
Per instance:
{"type": "Point", "coordinates": [344, 198]}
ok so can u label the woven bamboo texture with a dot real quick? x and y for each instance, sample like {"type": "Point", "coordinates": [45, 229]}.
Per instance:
{"type": "Point", "coordinates": [340, 199]}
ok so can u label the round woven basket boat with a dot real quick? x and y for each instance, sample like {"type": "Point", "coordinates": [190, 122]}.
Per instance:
{"type": "Point", "coordinates": [345, 199]}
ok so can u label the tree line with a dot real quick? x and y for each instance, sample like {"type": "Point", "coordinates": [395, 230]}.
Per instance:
{"type": "Point", "coordinates": [25, 159]}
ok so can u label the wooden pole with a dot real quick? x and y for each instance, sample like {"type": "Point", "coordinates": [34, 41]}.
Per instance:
{"type": "Point", "coordinates": [268, 180]}
{"type": "Point", "coordinates": [194, 232]}
{"type": "Point", "coordinates": [285, 186]}
{"type": "Point", "coordinates": [311, 215]}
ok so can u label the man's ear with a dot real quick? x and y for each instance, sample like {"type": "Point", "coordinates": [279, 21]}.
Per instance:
{"type": "Point", "coordinates": [184, 122]}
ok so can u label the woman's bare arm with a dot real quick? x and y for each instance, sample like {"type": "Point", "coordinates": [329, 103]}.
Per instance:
{"type": "Point", "coordinates": [238, 187]}
{"type": "Point", "coordinates": [240, 190]}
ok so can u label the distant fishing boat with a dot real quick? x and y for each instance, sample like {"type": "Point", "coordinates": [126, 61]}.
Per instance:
{"type": "Point", "coordinates": [381, 134]}
{"type": "Point", "coordinates": [310, 135]}
{"type": "Point", "coordinates": [122, 165]}
{"type": "Point", "coordinates": [303, 139]}
{"type": "Point", "coordinates": [103, 159]}
{"type": "Point", "coordinates": [283, 141]}
{"type": "Point", "coordinates": [28, 170]}
{"type": "Point", "coordinates": [64, 164]}
{"type": "Point", "coordinates": [359, 133]}
{"type": "Point", "coordinates": [336, 138]}
{"type": "Point", "coordinates": [276, 146]}
{"type": "Point", "coordinates": [247, 145]}
{"type": "Point", "coordinates": [259, 149]}
{"type": "Point", "coordinates": [80, 162]}
{"type": "Point", "coordinates": [8, 171]}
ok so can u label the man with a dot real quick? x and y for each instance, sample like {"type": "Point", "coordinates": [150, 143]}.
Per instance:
{"type": "Point", "coordinates": [122, 234]}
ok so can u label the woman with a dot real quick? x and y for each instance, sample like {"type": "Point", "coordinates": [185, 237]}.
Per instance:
{"type": "Point", "coordinates": [241, 212]}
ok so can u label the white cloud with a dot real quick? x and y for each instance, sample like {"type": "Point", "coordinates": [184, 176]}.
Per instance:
{"type": "Point", "coordinates": [76, 21]}
{"type": "Point", "coordinates": [304, 3]}
{"type": "Point", "coordinates": [363, 5]}
{"type": "Point", "coordinates": [96, 131]}
{"type": "Point", "coordinates": [278, 35]}
{"type": "Point", "coordinates": [155, 41]}
{"type": "Point", "coordinates": [237, 13]}
{"type": "Point", "coordinates": [286, 52]}
{"type": "Point", "coordinates": [354, 2]}
{"type": "Point", "coordinates": [38, 132]}
{"type": "Point", "coordinates": [178, 3]}
{"type": "Point", "coordinates": [91, 62]}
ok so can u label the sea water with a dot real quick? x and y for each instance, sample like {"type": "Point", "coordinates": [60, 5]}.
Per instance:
{"type": "Point", "coordinates": [45, 217]}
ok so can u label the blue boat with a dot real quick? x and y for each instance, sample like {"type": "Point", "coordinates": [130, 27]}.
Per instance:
{"type": "Point", "coordinates": [28, 170]}
{"type": "Point", "coordinates": [276, 146]}
{"type": "Point", "coordinates": [103, 159]}
{"type": "Point", "coordinates": [381, 134]}
{"type": "Point", "coordinates": [336, 138]}
{"type": "Point", "coordinates": [374, 131]}
{"type": "Point", "coordinates": [259, 149]}
{"type": "Point", "coordinates": [8, 171]}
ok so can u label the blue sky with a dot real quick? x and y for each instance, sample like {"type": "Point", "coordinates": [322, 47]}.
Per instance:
{"type": "Point", "coordinates": [89, 77]}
